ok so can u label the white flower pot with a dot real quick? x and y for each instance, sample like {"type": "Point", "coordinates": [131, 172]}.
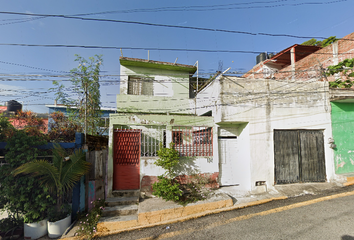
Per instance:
{"type": "Point", "coordinates": [56, 229]}
{"type": "Point", "coordinates": [35, 230]}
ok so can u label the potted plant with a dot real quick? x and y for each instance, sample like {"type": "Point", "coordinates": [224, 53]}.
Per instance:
{"type": "Point", "coordinates": [59, 176]}
{"type": "Point", "coordinates": [35, 229]}
{"type": "Point", "coordinates": [35, 218]}
{"type": "Point", "coordinates": [22, 197]}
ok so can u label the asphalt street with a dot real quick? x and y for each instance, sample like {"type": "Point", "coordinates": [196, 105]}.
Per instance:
{"type": "Point", "coordinates": [328, 215]}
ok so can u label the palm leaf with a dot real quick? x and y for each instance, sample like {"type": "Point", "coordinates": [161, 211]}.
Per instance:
{"type": "Point", "coordinates": [58, 175]}
{"type": "Point", "coordinates": [74, 169]}
{"type": "Point", "coordinates": [59, 154]}
{"type": "Point", "coordinates": [49, 173]}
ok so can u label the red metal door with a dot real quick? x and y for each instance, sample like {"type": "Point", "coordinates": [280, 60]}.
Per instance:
{"type": "Point", "coordinates": [126, 157]}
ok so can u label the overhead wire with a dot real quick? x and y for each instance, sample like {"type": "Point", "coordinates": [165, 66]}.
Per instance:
{"type": "Point", "coordinates": [151, 48]}
{"type": "Point", "coordinates": [46, 77]}
{"type": "Point", "coordinates": [184, 8]}
{"type": "Point", "coordinates": [163, 25]}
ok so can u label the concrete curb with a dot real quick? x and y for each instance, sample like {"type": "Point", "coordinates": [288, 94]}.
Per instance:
{"type": "Point", "coordinates": [134, 225]}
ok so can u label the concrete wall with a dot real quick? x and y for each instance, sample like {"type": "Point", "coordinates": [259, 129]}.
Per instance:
{"type": "Point", "coordinates": [147, 167]}
{"type": "Point", "coordinates": [265, 105]}
{"type": "Point", "coordinates": [171, 92]}
{"type": "Point", "coordinates": [343, 125]}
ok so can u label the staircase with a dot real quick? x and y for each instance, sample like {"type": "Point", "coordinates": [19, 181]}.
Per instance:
{"type": "Point", "coordinates": [122, 207]}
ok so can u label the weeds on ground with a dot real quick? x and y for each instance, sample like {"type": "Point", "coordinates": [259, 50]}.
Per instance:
{"type": "Point", "coordinates": [88, 222]}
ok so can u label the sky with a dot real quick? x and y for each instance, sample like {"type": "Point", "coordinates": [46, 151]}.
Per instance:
{"type": "Point", "coordinates": [217, 34]}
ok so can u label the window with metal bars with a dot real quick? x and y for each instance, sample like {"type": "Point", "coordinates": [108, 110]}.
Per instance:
{"type": "Point", "coordinates": [152, 139]}
{"type": "Point", "coordinates": [140, 86]}
{"type": "Point", "coordinates": [193, 141]}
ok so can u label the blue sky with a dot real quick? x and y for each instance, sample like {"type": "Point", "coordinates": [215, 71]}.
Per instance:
{"type": "Point", "coordinates": [31, 69]}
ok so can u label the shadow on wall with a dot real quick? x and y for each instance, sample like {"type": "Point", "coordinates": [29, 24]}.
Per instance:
{"type": "Point", "coordinates": [186, 166]}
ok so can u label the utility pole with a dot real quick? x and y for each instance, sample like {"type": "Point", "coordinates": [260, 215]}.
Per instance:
{"type": "Point", "coordinates": [197, 75]}
{"type": "Point", "coordinates": [85, 112]}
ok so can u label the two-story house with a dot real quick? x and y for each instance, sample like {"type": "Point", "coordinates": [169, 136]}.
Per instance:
{"type": "Point", "coordinates": [154, 109]}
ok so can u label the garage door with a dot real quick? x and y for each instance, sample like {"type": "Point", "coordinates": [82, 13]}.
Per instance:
{"type": "Point", "coordinates": [299, 156]}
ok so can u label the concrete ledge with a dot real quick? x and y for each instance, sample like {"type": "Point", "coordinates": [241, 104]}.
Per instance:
{"type": "Point", "coordinates": [151, 214]}
{"type": "Point", "coordinates": [106, 227]}
{"type": "Point", "coordinates": [147, 218]}
{"type": "Point", "coordinates": [350, 181]}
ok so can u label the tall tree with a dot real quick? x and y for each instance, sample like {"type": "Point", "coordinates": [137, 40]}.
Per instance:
{"type": "Point", "coordinates": [85, 107]}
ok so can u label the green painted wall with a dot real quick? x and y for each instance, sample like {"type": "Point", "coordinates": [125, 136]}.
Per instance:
{"type": "Point", "coordinates": [343, 135]}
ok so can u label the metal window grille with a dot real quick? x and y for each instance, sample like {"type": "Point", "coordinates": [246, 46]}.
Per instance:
{"type": "Point", "coordinates": [194, 141]}
{"type": "Point", "coordinates": [152, 138]}
{"type": "Point", "coordinates": [140, 86]}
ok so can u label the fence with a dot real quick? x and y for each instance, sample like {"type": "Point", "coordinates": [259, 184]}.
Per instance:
{"type": "Point", "coordinates": [193, 141]}
{"type": "Point", "coordinates": [97, 179]}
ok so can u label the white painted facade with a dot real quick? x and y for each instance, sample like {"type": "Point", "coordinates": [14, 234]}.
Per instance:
{"type": "Point", "coordinates": [252, 109]}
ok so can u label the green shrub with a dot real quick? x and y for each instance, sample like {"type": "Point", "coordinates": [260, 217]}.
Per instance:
{"type": "Point", "coordinates": [168, 159]}
{"type": "Point", "coordinates": [167, 189]}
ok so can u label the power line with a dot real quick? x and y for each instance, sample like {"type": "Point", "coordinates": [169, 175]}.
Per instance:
{"type": "Point", "coordinates": [39, 77]}
{"type": "Point", "coordinates": [148, 48]}
{"type": "Point", "coordinates": [218, 7]}
{"type": "Point", "coordinates": [37, 68]}
{"type": "Point", "coordinates": [199, 8]}
{"type": "Point", "coordinates": [162, 25]}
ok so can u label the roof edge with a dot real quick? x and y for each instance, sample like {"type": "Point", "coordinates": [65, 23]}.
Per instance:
{"type": "Point", "coordinates": [137, 62]}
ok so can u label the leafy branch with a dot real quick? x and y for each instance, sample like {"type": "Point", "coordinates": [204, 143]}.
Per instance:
{"type": "Point", "coordinates": [345, 71]}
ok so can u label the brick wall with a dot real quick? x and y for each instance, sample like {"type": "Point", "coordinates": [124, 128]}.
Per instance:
{"type": "Point", "coordinates": [255, 72]}
{"type": "Point", "coordinates": [310, 66]}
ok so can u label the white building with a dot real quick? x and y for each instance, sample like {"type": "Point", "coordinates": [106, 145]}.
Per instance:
{"type": "Point", "coordinates": [270, 131]}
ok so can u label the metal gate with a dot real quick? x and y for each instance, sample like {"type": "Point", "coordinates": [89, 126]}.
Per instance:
{"type": "Point", "coordinates": [126, 158]}
{"type": "Point", "coordinates": [299, 156]}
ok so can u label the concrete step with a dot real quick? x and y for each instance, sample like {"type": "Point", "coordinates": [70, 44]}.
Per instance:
{"type": "Point", "coordinates": [116, 201]}
{"type": "Point", "coordinates": [126, 193]}
{"type": "Point", "coordinates": [122, 210]}
{"type": "Point", "coordinates": [119, 218]}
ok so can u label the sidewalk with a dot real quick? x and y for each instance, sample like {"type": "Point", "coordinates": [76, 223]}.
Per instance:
{"type": "Point", "coordinates": [156, 211]}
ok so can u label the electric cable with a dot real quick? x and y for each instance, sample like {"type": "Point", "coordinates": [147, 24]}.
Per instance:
{"type": "Point", "coordinates": [163, 25]}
